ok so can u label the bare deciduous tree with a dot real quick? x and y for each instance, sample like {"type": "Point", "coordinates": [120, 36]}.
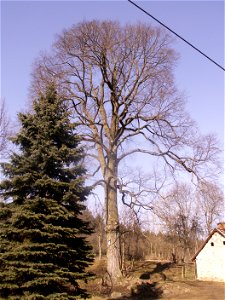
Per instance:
{"type": "Point", "coordinates": [4, 127]}
{"type": "Point", "coordinates": [211, 204]}
{"type": "Point", "coordinates": [179, 212]}
{"type": "Point", "coordinates": [120, 82]}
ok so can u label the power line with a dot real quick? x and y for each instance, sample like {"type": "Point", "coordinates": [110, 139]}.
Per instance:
{"type": "Point", "coordinates": [147, 13]}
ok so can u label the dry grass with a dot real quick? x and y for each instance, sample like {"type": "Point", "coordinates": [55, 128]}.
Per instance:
{"type": "Point", "coordinates": [146, 280]}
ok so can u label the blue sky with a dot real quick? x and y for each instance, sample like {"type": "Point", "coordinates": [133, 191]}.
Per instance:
{"type": "Point", "coordinates": [29, 27]}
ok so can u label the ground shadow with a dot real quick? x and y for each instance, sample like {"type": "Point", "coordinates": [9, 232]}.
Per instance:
{"type": "Point", "coordinates": [157, 270]}
{"type": "Point", "coordinates": [144, 291]}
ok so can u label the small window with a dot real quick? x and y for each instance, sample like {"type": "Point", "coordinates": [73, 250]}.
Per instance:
{"type": "Point", "coordinates": [212, 244]}
{"type": "Point", "coordinates": [224, 242]}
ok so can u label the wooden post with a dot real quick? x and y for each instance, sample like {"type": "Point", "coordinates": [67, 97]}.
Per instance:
{"type": "Point", "coordinates": [183, 271]}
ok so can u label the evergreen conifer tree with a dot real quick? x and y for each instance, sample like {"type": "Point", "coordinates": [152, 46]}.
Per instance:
{"type": "Point", "coordinates": [43, 250]}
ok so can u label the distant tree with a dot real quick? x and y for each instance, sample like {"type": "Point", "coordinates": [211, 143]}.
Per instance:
{"type": "Point", "coordinates": [4, 127]}
{"type": "Point", "coordinates": [44, 252]}
{"type": "Point", "coordinates": [97, 238]}
{"type": "Point", "coordinates": [180, 216]}
{"type": "Point", "coordinates": [211, 204]}
{"type": "Point", "coordinates": [131, 236]}
{"type": "Point", "coordinates": [99, 227]}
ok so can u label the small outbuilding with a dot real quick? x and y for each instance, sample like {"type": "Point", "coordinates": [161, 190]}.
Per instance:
{"type": "Point", "coordinates": [210, 258]}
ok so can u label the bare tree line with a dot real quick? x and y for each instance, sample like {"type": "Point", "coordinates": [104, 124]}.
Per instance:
{"type": "Point", "coordinates": [185, 217]}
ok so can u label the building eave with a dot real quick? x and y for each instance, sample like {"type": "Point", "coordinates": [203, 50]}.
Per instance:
{"type": "Point", "coordinates": [221, 232]}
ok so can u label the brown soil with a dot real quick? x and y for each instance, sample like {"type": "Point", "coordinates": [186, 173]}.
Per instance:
{"type": "Point", "coordinates": [190, 290]}
{"type": "Point", "coordinates": [153, 280]}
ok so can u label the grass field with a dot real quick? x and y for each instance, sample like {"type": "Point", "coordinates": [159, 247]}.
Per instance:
{"type": "Point", "coordinates": [145, 280]}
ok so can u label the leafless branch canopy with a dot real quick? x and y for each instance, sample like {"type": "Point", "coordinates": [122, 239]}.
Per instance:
{"type": "Point", "coordinates": [4, 127]}
{"type": "Point", "coordinates": [119, 81]}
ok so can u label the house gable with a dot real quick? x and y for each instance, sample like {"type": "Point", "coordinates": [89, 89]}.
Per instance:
{"type": "Point", "coordinates": [210, 258]}
{"type": "Point", "coordinates": [221, 232]}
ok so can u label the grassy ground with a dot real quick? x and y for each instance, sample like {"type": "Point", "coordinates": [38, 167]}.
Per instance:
{"type": "Point", "coordinates": [153, 280]}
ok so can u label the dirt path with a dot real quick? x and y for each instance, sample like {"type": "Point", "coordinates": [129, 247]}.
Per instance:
{"type": "Point", "coordinates": [191, 290]}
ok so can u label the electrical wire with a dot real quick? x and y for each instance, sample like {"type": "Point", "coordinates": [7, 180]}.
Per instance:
{"type": "Point", "coordinates": [179, 36]}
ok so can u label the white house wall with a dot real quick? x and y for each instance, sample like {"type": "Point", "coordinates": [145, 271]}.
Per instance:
{"type": "Point", "coordinates": [210, 262]}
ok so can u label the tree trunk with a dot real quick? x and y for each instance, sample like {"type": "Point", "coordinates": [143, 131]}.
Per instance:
{"type": "Point", "coordinates": [99, 247]}
{"type": "Point", "coordinates": [113, 252]}
{"type": "Point", "coordinates": [112, 222]}
{"type": "Point", "coordinates": [123, 256]}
